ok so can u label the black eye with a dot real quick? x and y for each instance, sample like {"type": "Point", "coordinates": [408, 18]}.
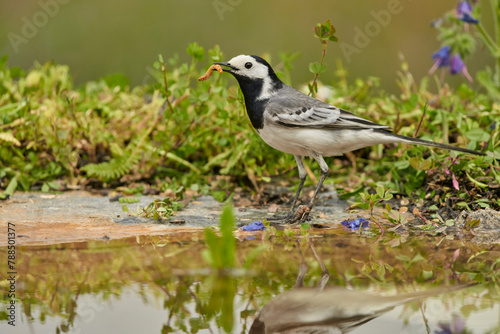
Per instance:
{"type": "Point", "coordinates": [248, 65]}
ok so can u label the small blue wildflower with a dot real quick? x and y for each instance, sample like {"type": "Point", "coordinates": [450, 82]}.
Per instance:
{"type": "Point", "coordinates": [355, 224]}
{"type": "Point", "coordinates": [468, 19]}
{"type": "Point", "coordinates": [464, 7]}
{"type": "Point", "coordinates": [464, 12]}
{"type": "Point", "coordinates": [255, 226]}
{"type": "Point", "coordinates": [441, 57]}
{"type": "Point", "coordinates": [457, 66]}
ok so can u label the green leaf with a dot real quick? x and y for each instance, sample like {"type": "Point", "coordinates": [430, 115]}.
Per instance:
{"type": "Point", "coordinates": [11, 187]}
{"type": "Point", "coordinates": [228, 246]}
{"type": "Point", "coordinates": [54, 185]}
{"type": "Point", "coordinates": [219, 195]}
{"type": "Point", "coordinates": [212, 241]}
{"type": "Point", "coordinates": [380, 191]}
{"type": "Point", "coordinates": [476, 182]}
{"type": "Point", "coordinates": [477, 135]}
{"type": "Point", "coordinates": [427, 274]}
{"type": "Point", "coordinates": [128, 200]}
{"type": "Point", "coordinates": [196, 51]}
{"type": "Point", "coordinates": [402, 164]}
{"type": "Point", "coordinates": [317, 68]}
{"type": "Point", "coordinates": [181, 161]}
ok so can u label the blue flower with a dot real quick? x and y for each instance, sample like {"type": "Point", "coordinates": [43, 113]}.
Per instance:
{"type": "Point", "coordinates": [457, 66]}
{"type": "Point", "coordinates": [464, 12]}
{"type": "Point", "coordinates": [442, 56]}
{"type": "Point", "coordinates": [464, 7]}
{"type": "Point", "coordinates": [468, 19]}
{"type": "Point", "coordinates": [255, 226]}
{"type": "Point", "coordinates": [355, 224]}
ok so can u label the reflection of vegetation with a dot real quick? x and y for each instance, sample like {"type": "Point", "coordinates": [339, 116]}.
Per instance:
{"type": "Point", "coordinates": [53, 277]}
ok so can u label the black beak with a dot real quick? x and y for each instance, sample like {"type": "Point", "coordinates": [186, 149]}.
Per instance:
{"type": "Point", "coordinates": [230, 69]}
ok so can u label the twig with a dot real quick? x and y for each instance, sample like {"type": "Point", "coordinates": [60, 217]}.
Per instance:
{"type": "Point", "coordinates": [164, 71]}
{"type": "Point", "coordinates": [420, 123]}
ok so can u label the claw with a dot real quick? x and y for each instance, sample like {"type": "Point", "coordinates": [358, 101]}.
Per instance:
{"type": "Point", "coordinates": [300, 215]}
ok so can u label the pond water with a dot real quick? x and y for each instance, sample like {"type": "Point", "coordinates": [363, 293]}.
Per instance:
{"type": "Point", "coordinates": [335, 281]}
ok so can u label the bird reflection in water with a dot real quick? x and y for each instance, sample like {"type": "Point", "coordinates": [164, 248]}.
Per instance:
{"type": "Point", "coordinates": [330, 310]}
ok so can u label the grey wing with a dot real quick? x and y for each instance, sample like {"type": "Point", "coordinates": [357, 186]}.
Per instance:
{"type": "Point", "coordinates": [322, 116]}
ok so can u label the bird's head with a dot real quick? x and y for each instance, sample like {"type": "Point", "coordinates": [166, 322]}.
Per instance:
{"type": "Point", "coordinates": [248, 67]}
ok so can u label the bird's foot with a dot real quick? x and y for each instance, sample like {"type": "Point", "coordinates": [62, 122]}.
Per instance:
{"type": "Point", "coordinates": [284, 218]}
{"type": "Point", "coordinates": [300, 216]}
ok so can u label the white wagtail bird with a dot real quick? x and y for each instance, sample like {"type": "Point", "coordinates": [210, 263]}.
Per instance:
{"type": "Point", "coordinates": [293, 122]}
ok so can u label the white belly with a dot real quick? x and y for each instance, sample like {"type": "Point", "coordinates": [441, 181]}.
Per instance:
{"type": "Point", "coordinates": [302, 141]}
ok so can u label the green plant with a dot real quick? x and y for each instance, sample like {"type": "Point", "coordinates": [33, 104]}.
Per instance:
{"type": "Point", "coordinates": [457, 34]}
{"type": "Point", "coordinates": [325, 33]}
{"type": "Point", "coordinates": [221, 251]}
{"type": "Point", "coordinates": [158, 209]}
{"type": "Point", "coordinates": [370, 201]}
{"type": "Point", "coordinates": [399, 217]}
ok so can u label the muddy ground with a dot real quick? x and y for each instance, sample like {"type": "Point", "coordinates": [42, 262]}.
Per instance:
{"type": "Point", "coordinates": [80, 216]}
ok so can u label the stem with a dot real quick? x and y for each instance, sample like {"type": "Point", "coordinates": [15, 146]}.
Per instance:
{"type": "Point", "coordinates": [495, 12]}
{"type": "Point", "coordinates": [164, 70]}
{"type": "Point", "coordinates": [488, 40]}
{"type": "Point", "coordinates": [495, 6]}
{"type": "Point", "coordinates": [419, 123]}
{"type": "Point", "coordinates": [323, 54]}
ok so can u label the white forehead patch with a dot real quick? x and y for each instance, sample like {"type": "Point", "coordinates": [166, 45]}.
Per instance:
{"type": "Point", "coordinates": [257, 71]}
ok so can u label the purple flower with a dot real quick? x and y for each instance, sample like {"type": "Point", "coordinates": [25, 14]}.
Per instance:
{"type": "Point", "coordinates": [468, 19]}
{"type": "Point", "coordinates": [443, 58]}
{"type": "Point", "coordinates": [457, 66]}
{"type": "Point", "coordinates": [355, 224]}
{"type": "Point", "coordinates": [464, 7]}
{"type": "Point", "coordinates": [464, 11]}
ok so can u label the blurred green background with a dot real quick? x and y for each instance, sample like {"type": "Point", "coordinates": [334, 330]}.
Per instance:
{"type": "Point", "coordinates": [97, 38]}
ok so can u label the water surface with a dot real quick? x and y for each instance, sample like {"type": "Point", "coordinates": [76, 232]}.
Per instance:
{"type": "Point", "coordinates": [161, 284]}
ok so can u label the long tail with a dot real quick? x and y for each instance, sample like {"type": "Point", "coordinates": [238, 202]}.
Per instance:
{"type": "Point", "coordinates": [418, 141]}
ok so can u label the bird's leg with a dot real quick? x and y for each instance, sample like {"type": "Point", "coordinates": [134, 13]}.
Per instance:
{"type": "Point", "coordinates": [302, 176]}
{"type": "Point", "coordinates": [302, 269]}
{"type": "Point", "coordinates": [324, 173]}
{"type": "Point", "coordinates": [325, 275]}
